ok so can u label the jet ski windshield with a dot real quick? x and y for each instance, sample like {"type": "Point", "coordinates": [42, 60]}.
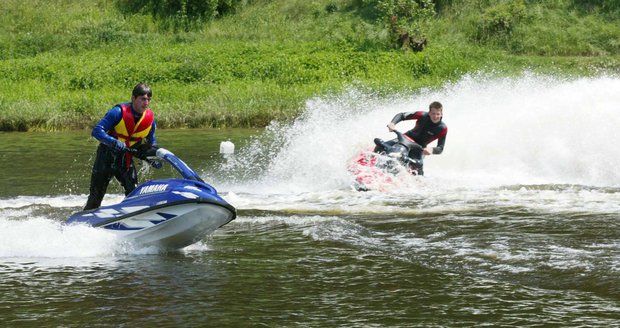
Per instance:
{"type": "Point", "coordinates": [178, 164]}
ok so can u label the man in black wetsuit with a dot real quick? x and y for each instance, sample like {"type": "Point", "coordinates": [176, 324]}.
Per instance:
{"type": "Point", "coordinates": [428, 127]}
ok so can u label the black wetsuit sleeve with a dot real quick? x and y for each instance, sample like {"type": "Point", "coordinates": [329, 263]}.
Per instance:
{"type": "Point", "coordinates": [441, 142]}
{"type": "Point", "coordinates": [405, 116]}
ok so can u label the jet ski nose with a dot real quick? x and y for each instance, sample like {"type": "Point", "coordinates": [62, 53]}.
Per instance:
{"type": "Point", "coordinates": [378, 142]}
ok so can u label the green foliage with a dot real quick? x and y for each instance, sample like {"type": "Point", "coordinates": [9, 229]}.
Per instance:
{"type": "Point", "coordinates": [540, 28]}
{"type": "Point", "coordinates": [441, 4]}
{"type": "Point", "coordinates": [604, 6]}
{"type": "Point", "coordinates": [331, 7]}
{"type": "Point", "coordinates": [63, 25]}
{"type": "Point", "coordinates": [181, 14]}
{"type": "Point", "coordinates": [407, 11]}
{"type": "Point", "coordinates": [500, 19]}
{"type": "Point", "coordinates": [63, 63]}
{"type": "Point", "coordinates": [403, 17]}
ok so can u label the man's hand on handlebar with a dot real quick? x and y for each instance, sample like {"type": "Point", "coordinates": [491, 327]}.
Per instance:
{"type": "Point", "coordinates": [391, 126]}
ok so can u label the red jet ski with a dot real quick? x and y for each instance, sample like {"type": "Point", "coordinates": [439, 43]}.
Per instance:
{"type": "Point", "coordinates": [380, 167]}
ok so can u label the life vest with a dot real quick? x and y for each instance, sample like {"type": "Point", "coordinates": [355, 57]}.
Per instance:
{"type": "Point", "coordinates": [130, 132]}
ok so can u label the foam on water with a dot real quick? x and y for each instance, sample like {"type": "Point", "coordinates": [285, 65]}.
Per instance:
{"type": "Point", "coordinates": [41, 237]}
{"type": "Point", "coordinates": [502, 252]}
{"type": "Point", "coordinates": [52, 201]}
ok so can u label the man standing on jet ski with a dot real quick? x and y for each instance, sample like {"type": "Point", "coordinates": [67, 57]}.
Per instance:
{"type": "Point", "coordinates": [125, 125]}
{"type": "Point", "coordinates": [428, 128]}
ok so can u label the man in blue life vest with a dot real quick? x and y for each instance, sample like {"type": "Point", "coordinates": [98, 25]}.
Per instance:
{"type": "Point", "coordinates": [428, 127]}
{"type": "Point", "coordinates": [125, 125]}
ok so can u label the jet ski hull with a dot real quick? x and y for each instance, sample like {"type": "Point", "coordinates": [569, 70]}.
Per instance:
{"type": "Point", "coordinates": [167, 226]}
{"type": "Point", "coordinates": [172, 227]}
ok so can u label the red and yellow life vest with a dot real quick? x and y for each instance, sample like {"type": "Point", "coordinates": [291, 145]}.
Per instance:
{"type": "Point", "coordinates": [130, 132]}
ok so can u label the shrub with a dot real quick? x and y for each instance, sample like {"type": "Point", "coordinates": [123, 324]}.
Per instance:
{"type": "Point", "coordinates": [405, 19]}
{"type": "Point", "coordinates": [181, 14]}
{"type": "Point", "coordinates": [500, 19]}
{"type": "Point", "coordinates": [605, 6]}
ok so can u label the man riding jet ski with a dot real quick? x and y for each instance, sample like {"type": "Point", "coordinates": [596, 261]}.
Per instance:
{"type": "Point", "coordinates": [428, 128]}
{"type": "Point", "coordinates": [405, 153]}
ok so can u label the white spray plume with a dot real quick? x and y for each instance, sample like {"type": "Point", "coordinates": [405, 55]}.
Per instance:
{"type": "Point", "coordinates": [529, 129]}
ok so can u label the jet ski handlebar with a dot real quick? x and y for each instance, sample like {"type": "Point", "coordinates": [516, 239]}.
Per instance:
{"type": "Point", "coordinates": [399, 135]}
{"type": "Point", "coordinates": [410, 144]}
{"type": "Point", "coordinates": [154, 153]}
{"type": "Point", "coordinates": [178, 164]}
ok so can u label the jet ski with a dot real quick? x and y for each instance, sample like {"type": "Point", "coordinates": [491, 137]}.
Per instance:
{"type": "Point", "coordinates": [381, 166]}
{"type": "Point", "coordinates": [168, 214]}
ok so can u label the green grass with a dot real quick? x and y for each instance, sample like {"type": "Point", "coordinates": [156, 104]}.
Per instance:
{"type": "Point", "coordinates": [63, 63]}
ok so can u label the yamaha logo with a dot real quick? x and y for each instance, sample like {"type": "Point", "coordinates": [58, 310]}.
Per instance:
{"type": "Point", "coordinates": [153, 188]}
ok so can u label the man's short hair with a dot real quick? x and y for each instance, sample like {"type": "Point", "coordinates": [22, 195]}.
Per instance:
{"type": "Point", "coordinates": [141, 89]}
{"type": "Point", "coordinates": [435, 104]}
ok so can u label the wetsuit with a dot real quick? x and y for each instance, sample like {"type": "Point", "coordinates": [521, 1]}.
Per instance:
{"type": "Point", "coordinates": [108, 162]}
{"type": "Point", "coordinates": [424, 132]}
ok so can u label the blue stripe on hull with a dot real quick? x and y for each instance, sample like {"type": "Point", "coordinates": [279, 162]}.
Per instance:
{"type": "Point", "coordinates": [120, 226]}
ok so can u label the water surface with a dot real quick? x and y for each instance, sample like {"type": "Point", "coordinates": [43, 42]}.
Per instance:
{"type": "Point", "coordinates": [516, 224]}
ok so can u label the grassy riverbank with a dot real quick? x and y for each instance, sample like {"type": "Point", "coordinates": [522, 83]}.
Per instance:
{"type": "Point", "coordinates": [63, 63]}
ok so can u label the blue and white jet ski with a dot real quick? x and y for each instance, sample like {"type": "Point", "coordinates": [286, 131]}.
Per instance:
{"type": "Point", "coordinates": [168, 214]}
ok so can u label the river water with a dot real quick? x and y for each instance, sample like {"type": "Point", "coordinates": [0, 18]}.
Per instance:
{"type": "Point", "coordinates": [515, 224]}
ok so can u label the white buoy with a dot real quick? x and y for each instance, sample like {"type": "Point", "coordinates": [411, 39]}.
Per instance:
{"type": "Point", "coordinates": [227, 148]}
